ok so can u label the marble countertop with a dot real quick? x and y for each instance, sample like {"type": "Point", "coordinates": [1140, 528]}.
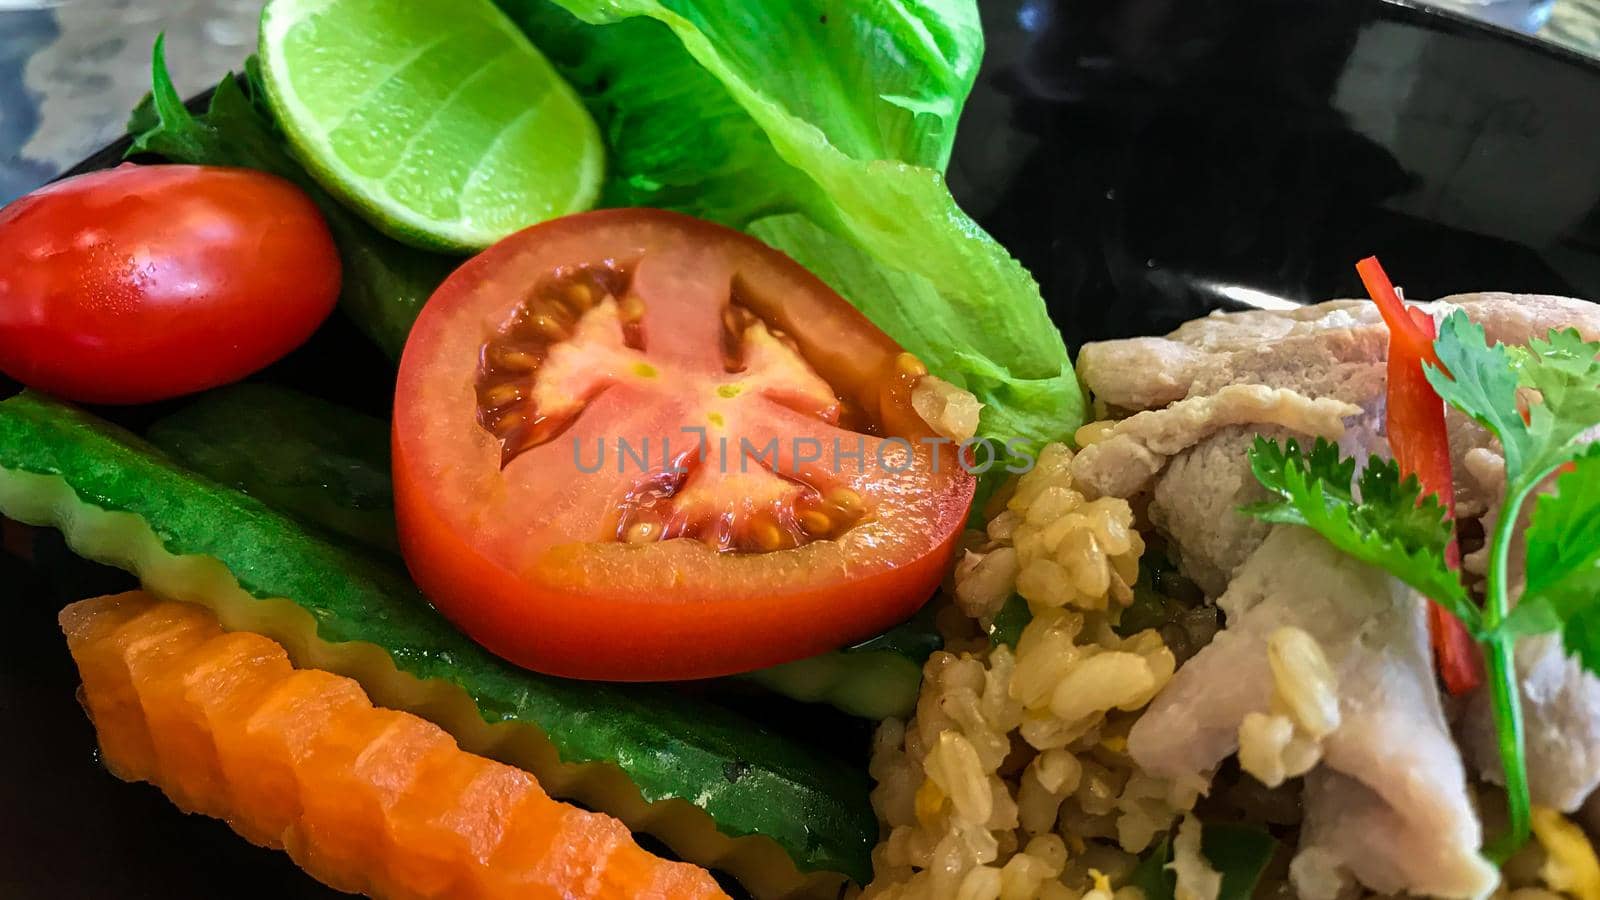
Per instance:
{"type": "Point", "coordinates": [70, 70]}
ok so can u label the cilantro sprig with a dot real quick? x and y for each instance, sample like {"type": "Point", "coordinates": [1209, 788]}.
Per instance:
{"type": "Point", "coordinates": [1382, 521]}
{"type": "Point", "coordinates": [1539, 401]}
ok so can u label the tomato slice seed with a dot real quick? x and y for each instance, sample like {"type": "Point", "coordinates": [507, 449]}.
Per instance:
{"type": "Point", "coordinates": [633, 445]}
{"type": "Point", "coordinates": [581, 328]}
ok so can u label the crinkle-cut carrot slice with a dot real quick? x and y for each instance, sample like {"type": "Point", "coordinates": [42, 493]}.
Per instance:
{"type": "Point", "coordinates": [226, 687]}
{"type": "Point", "coordinates": [366, 799]}
{"type": "Point", "coordinates": [108, 694]}
{"type": "Point", "coordinates": [185, 752]}
{"type": "Point", "coordinates": [335, 838]}
{"type": "Point", "coordinates": [153, 637]}
{"type": "Point", "coordinates": [264, 751]}
{"type": "Point", "coordinates": [455, 819]}
{"type": "Point", "coordinates": [373, 762]}
{"type": "Point", "coordinates": [548, 848]}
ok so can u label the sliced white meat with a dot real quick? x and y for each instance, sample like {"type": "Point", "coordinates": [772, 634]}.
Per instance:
{"type": "Point", "coordinates": [1515, 318]}
{"type": "Point", "coordinates": [1123, 462]}
{"type": "Point", "coordinates": [1148, 372]}
{"type": "Point", "coordinates": [1422, 834]}
{"type": "Point", "coordinates": [1352, 832]}
{"type": "Point", "coordinates": [1196, 499]}
{"type": "Point", "coordinates": [1329, 349]}
{"type": "Point", "coordinates": [1196, 502]}
{"type": "Point", "coordinates": [1335, 351]}
{"type": "Point", "coordinates": [1560, 698]}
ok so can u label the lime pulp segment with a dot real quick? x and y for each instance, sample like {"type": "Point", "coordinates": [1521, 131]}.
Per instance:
{"type": "Point", "coordinates": [436, 119]}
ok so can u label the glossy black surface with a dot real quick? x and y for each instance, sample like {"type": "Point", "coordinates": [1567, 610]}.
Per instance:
{"type": "Point", "coordinates": [1149, 160]}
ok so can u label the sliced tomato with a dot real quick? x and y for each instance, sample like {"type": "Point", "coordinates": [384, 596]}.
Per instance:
{"type": "Point", "coordinates": [631, 445]}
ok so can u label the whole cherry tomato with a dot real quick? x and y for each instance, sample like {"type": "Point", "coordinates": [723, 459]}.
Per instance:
{"type": "Point", "coordinates": [146, 282]}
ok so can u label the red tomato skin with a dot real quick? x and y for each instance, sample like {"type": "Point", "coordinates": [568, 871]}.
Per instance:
{"type": "Point", "coordinates": [142, 283]}
{"type": "Point", "coordinates": [618, 638]}
{"type": "Point", "coordinates": [645, 618]}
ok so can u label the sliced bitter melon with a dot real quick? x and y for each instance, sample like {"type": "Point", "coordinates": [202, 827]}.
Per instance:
{"type": "Point", "coordinates": [716, 788]}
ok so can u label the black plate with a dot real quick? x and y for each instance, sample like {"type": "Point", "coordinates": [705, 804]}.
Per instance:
{"type": "Point", "coordinates": [1149, 160]}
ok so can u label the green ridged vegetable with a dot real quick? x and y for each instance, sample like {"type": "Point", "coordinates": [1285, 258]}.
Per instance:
{"type": "Point", "coordinates": [321, 464]}
{"type": "Point", "coordinates": [717, 788]}
{"type": "Point", "coordinates": [874, 684]}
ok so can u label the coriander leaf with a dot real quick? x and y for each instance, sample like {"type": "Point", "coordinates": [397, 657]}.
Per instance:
{"type": "Point", "coordinates": [1391, 501]}
{"type": "Point", "coordinates": [1009, 622]}
{"type": "Point", "coordinates": [1565, 370]}
{"type": "Point", "coordinates": [1479, 380]}
{"type": "Point", "coordinates": [1240, 853]}
{"type": "Point", "coordinates": [1563, 563]}
{"type": "Point", "coordinates": [1482, 380]}
{"type": "Point", "coordinates": [385, 283]}
{"type": "Point", "coordinates": [1271, 463]}
{"type": "Point", "coordinates": [1387, 528]}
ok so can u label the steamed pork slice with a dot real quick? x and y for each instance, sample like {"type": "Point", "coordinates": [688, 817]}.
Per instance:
{"type": "Point", "coordinates": [1196, 502]}
{"type": "Point", "coordinates": [1352, 832]}
{"type": "Point", "coordinates": [1392, 740]}
{"type": "Point", "coordinates": [1149, 372]}
{"type": "Point", "coordinates": [1319, 363]}
{"type": "Point", "coordinates": [1137, 448]}
{"type": "Point", "coordinates": [1333, 351]}
{"type": "Point", "coordinates": [1293, 348]}
{"type": "Point", "coordinates": [1515, 318]}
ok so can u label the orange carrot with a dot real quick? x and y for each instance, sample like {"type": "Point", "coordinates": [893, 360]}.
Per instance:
{"type": "Point", "coordinates": [367, 800]}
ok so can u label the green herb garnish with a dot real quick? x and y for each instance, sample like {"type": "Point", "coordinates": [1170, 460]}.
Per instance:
{"type": "Point", "coordinates": [1384, 521]}
{"type": "Point", "coordinates": [1239, 853]}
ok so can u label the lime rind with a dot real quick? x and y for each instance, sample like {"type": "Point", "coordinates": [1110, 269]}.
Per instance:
{"type": "Point", "coordinates": [437, 120]}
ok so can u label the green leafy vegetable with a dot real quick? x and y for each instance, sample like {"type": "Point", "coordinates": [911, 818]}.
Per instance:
{"type": "Point", "coordinates": [1482, 381]}
{"type": "Point", "coordinates": [824, 129]}
{"type": "Point", "coordinates": [1151, 876]}
{"type": "Point", "coordinates": [1385, 525]}
{"type": "Point", "coordinates": [1563, 563]}
{"type": "Point", "coordinates": [1009, 622]}
{"type": "Point", "coordinates": [1239, 853]}
{"type": "Point", "coordinates": [385, 282]}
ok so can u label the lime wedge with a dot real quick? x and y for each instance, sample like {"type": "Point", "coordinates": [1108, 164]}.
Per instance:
{"type": "Point", "coordinates": [436, 119]}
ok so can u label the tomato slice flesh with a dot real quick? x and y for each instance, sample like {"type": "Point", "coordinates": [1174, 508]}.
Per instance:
{"type": "Point", "coordinates": [631, 445]}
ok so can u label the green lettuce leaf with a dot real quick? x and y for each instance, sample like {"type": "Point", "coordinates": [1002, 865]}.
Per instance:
{"type": "Point", "coordinates": [824, 129]}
